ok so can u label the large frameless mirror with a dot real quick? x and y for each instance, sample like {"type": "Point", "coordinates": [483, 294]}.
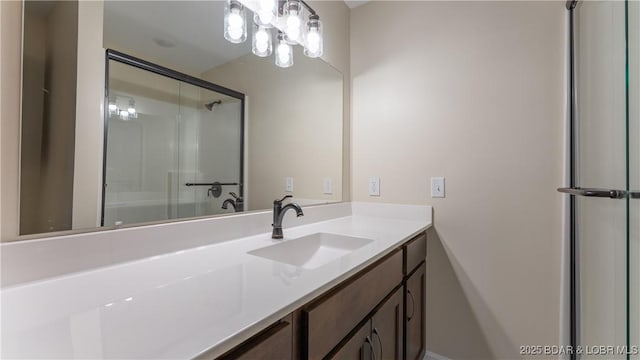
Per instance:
{"type": "Point", "coordinates": [191, 125]}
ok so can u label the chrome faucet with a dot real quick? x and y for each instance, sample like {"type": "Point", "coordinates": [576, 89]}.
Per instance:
{"type": "Point", "coordinates": [278, 214]}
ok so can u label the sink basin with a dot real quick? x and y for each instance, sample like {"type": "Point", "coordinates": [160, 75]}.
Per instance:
{"type": "Point", "coordinates": [311, 251]}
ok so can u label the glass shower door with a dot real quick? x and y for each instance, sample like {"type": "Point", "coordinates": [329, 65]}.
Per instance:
{"type": "Point", "coordinates": [174, 146]}
{"type": "Point", "coordinates": [604, 255]}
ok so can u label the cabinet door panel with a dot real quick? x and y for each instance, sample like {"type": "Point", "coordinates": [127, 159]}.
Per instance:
{"type": "Point", "coordinates": [358, 347]}
{"type": "Point", "coordinates": [387, 328]}
{"type": "Point", "coordinates": [415, 314]}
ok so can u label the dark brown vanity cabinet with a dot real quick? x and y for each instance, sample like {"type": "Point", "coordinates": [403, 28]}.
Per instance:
{"type": "Point", "coordinates": [414, 294]}
{"type": "Point", "coordinates": [376, 314]}
{"type": "Point", "coordinates": [329, 319]}
{"type": "Point", "coordinates": [380, 337]}
{"type": "Point", "coordinates": [415, 314]}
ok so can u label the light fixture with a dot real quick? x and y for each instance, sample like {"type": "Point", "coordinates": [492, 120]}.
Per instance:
{"type": "Point", "coordinates": [284, 52]}
{"type": "Point", "coordinates": [124, 114]}
{"type": "Point", "coordinates": [313, 46]}
{"type": "Point", "coordinates": [113, 108]}
{"type": "Point", "coordinates": [283, 15]}
{"type": "Point", "coordinates": [261, 44]}
{"type": "Point", "coordinates": [265, 13]}
{"type": "Point", "coordinates": [235, 24]}
{"type": "Point", "coordinates": [292, 13]}
{"type": "Point", "coordinates": [132, 108]}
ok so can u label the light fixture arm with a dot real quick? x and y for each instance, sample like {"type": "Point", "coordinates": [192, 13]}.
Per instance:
{"type": "Point", "coordinates": [306, 6]}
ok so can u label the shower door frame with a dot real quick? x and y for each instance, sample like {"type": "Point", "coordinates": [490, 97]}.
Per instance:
{"type": "Point", "coordinates": [176, 75]}
{"type": "Point", "coordinates": [574, 190]}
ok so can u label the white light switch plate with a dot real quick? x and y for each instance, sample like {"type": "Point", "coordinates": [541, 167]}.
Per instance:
{"type": "Point", "coordinates": [374, 186]}
{"type": "Point", "coordinates": [328, 186]}
{"type": "Point", "coordinates": [289, 184]}
{"type": "Point", "coordinates": [437, 187]}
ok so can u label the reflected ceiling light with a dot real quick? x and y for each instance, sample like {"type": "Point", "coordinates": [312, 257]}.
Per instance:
{"type": "Point", "coordinates": [283, 15]}
{"type": "Point", "coordinates": [235, 24]}
{"type": "Point", "coordinates": [126, 111]}
{"type": "Point", "coordinates": [113, 108]}
{"type": "Point", "coordinates": [132, 108]}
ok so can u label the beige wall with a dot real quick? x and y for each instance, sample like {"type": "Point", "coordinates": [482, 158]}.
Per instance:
{"type": "Point", "coordinates": [87, 181]}
{"type": "Point", "coordinates": [294, 118]}
{"type": "Point", "coordinates": [277, 150]}
{"type": "Point", "coordinates": [473, 93]}
{"type": "Point", "coordinates": [337, 52]}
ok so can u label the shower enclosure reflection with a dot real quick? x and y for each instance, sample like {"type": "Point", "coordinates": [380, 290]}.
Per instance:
{"type": "Point", "coordinates": [173, 149]}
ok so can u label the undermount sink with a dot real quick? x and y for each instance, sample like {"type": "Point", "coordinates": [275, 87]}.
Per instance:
{"type": "Point", "coordinates": [311, 251]}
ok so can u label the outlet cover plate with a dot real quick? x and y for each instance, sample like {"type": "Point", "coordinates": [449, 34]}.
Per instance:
{"type": "Point", "coordinates": [328, 186]}
{"type": "Point", "coordinates": [374, 186]}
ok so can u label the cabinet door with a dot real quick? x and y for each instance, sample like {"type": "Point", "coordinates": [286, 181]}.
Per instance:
{"type": "Point", "coordinates": [357, 347]}
{"type": "Point", "coordinates": [415, 314]}
{"type": "Point", "coordinates": [387, 328]}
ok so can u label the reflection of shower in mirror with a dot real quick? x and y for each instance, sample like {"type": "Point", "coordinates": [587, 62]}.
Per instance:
{"type": "Point", "coordinates": [210, 105]}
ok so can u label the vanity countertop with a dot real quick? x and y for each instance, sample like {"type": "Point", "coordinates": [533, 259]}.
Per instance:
{"type": "Point", "coordinates": [203, 300]}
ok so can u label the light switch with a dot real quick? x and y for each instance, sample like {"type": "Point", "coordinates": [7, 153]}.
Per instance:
{"type": "Point", "coordinates": [328, 186]}
{"type": "Point", "coordinates": [374, 186]}
{"type": "Point", "coordinates": [289, 184]}
{"type": "Point", "coordinates": [437, 187]}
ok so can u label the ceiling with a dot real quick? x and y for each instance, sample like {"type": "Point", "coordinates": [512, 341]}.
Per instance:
{"type": "Point", "coordinates": [192, 30]}
{"type": "Point", "coordinates": [185, 35]}
{"type": "Point", "coordinates": [355, 3]}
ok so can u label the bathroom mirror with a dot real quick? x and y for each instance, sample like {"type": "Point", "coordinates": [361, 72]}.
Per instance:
{"type": "Point", "coordinates": [283, 135]}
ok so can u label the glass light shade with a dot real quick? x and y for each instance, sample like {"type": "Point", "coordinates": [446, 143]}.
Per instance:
{"type": "Point", "coordinates": [284, 52]}
{"type": "Point", "coordinates": [132, 107]}
{"type": "Point", "coordinates": [124, 115]}
{"type": "Point", "coordinates": [313, 42]}
{"type": "Point", "coordinates": [261, 44]}
{"type": "Point", "coordinates": [292, 13]}
{"type": "Point", "coordinates": [265, 13]}
{"type": "Point", "coordinates": [235, 22]}
{"type": "Point", "coordinates": [113, 108]}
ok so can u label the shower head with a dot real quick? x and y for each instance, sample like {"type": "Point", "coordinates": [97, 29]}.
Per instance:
{"type": "Point", "coordinates": [210, 105]}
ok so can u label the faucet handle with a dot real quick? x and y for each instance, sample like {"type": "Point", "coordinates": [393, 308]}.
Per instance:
{"type": "Point", "coordinates": [235, 196]}
{"type": "Point", "coordinates": [281, 200]}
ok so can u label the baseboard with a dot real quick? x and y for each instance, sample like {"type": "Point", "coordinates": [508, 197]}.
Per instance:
{"type": "Point", "coordinates": [433, 356]}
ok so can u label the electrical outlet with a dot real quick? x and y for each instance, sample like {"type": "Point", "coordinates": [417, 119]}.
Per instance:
{"type": "Point", "coordinates": [374, 186]}
{"type": "Point", "coordinates": [288, 184]}
{"type": "Point", "coordinates": [437, 187]}
{"type": "Point", "coordinates": [328, 186]}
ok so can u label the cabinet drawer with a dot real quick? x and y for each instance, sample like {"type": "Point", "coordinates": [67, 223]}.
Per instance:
{"type": "Point", "coordinates": [332, 317]}
{"type": "Point", "coordinates": [415, 252]}
{"type": "Point", "coordinates": [275, 342]}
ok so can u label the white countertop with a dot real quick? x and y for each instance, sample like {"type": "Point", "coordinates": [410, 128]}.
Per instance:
{"type": "Point", "coordinates": [182, 304]}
